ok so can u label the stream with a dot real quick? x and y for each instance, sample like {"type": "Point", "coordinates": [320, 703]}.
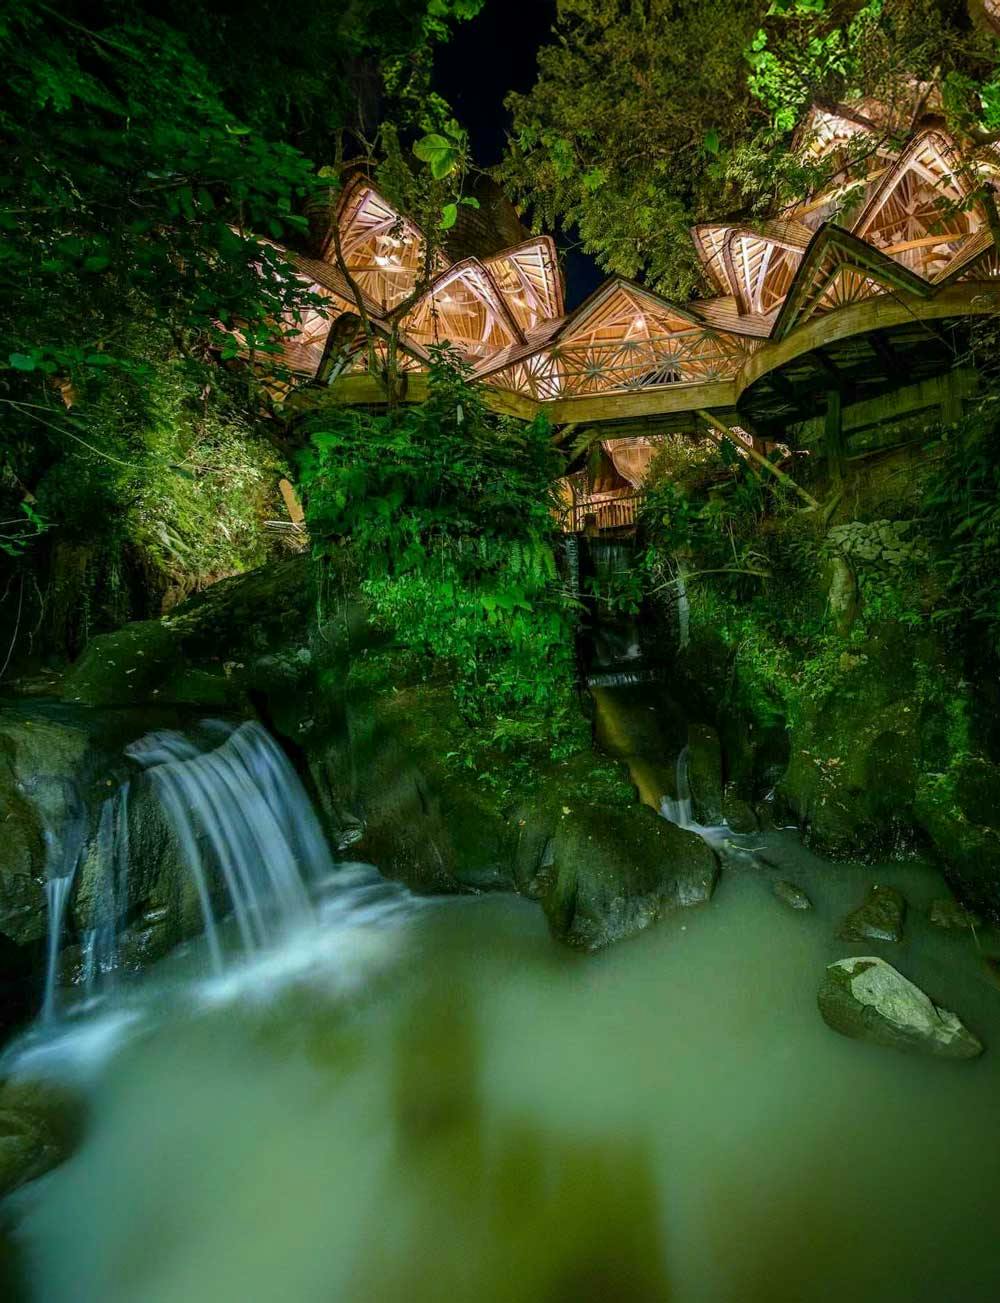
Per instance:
{"type": "Point", "coordinates": [429, 1101]}
{"type": "Point", "coordinates": [422, 1099]}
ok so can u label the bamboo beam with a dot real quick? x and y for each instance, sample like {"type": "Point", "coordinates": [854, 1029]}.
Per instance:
{"type": "Point", "coordinates": [761, 461]}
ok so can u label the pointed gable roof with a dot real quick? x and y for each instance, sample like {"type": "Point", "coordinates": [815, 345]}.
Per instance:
{"type": "Point", "coordinates": [977, 259]}
{"type": "Point", "coordinates": [921, 211]}
{"type": "Point", "coordinates": [383, 250]}
{"type": "Point", "coordinates": [838, 269]}
{"type": "Point", "coordinates": [528, 278]}
{"type": "Point", "coordinates": [709, 243]}
{"type": "Point", "coordinates": [463, 306]}
{"type": "Point", "coordinates": [622, 337]}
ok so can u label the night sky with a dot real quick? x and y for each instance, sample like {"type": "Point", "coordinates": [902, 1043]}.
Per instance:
{"type": "Point", "coordinates": [492, 54]}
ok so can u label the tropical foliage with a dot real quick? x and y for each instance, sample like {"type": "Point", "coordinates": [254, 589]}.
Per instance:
{"type": "Point", "coordinates": [446, 512]}
{"type": "Point", "coordinates": [156, 159]}
{"type": "Point", "coordinates": [649, 117]}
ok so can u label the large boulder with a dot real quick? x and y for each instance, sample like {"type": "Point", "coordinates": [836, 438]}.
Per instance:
{"type": "Point", "coordinates": [239, 638]}
{"type": "Point", "coordinates": [613, 872]}
{"type": "Point", "coordinates": [959, 810]}
{"type": "Point", "coordinates": [866, 998]}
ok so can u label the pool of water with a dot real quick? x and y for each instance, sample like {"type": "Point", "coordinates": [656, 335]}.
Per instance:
{"type": "Point", "coordinates": [432, 1101]}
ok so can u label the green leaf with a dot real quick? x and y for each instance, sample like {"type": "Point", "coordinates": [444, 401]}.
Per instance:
{"type": "Point", "coordinates": [439, 153]}
{"type": "Point", "coordinates": [428, 146]}
{"type": "Point", "coordinates": [469, 201]}
{"type": "Point", "coordinates": [711, 141]}
{"type": "Point", "coordinates": [449, 215]}
{"type": "Point", "coordinates": [22, 361]}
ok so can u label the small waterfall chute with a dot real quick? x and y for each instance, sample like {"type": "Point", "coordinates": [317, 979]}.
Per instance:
{"type": "Point", "coordinates": [677, 809]}
{"type": "Point", "coordinates": [246, 835]}
{"type": "Point", "coordinates": [239, 812]}
{"type": "Point", "coordinates": [57, 891]}
{"type": "Point", "coordinates": [64, 849]}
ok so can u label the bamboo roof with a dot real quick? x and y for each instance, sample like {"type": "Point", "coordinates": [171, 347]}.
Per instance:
{"type": "Point", "coordinates": [889, 223]}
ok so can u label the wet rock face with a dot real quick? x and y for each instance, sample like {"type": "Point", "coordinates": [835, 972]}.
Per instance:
{"type": "Point", "coordinates": [738, 813]}
{"type": "Point", "coordinates": [791, 895]}
{"type": "Point", "coordinates": [614, 872]}
{"type": "Point", "coordinates": [39, 1126]}
{"type": "Point", "coordinates": [40, 805]}
{"type": "Point", "coordinates": [880, 918]}
{"type": "Point", "coordinates": [867, 999]}
{"type": "Point", "coordinates": [705, 774]}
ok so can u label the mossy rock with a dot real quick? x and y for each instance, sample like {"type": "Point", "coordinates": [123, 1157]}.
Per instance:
{"type": "Point", "coordinates": [880, 918]}
{"type": "Point", "coordinates": [241, 636]}
{"type": "Point", "coordinates": [125, 668]}
{"type": "Point", "coordinates": [40, 1125]}
{"type": "Point", "coordinates": [867, 999]}
{"type": "Point", "coordinates": [970, 851]}
{"type": "Point", "coordinates": [614, 872]}
{"type": "Point", "coordinates": [42, 764]}
{"type": "Point", "coordinates": [705, 774]}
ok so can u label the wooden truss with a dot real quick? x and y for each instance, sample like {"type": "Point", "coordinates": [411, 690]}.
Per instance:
{"type": "Point", "coordinates": [408, 357]}
{"type": "Point", "coordinates": [828, 132]}
{"type": "Point", "coordinates": [921, 212]}
{"type": "Point", "coordinates": [761, 267]}
{"type": "Point", "coordinates": [527, 277]}
{"type": "Point", "coordinates": [839, 269]}
{"type": "Point", "coordinates": [754, 268]}
{"type": "Point", "coordinates": [623, 337]}
{"type": "Point", "coordinates": [382, 249]}
{"type": "Point", "coordinates": [918, 227]}
{"type": "Point", "coordinates": [980, 260]}
{"type": "Point", "coordinates": [463, 307]}
{"type": "Point", "coordinates": [632, 457]}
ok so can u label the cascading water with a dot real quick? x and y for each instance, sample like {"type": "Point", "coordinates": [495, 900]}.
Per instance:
{"type": "Point", "coordinates": [615, 651]}
{"type": "Point", "coordinates": [246, 833]}
{"type": "Point", "coordinates": [110, 903]}
{"type": "Point", "coordinates": [56, 898]}
{"type": "Point", "coordinates": [571, 551]}
{"type": "Point", "coordinates": [678, 808]}
{"type": "Point", "coordinates": [239, 812]}
{"type": "Point", "coordinates": [264, 877]}
{"type": "Point", "coordinates": [64, 848]}
{"type": "Point", "coordinates": [683, 611]}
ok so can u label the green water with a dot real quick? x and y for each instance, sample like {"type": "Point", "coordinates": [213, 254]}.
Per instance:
{"type": "Point", "coordinates": [479, 1115]}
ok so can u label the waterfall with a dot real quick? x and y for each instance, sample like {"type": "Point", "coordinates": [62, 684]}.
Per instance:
{"type": "Point", "coordinates": [56, 897]}
{"type": "Point", "coordinates": [110, 902]}
{"type": "Point", "coordinates": [247, 836]}
{"type": "Point", "coordinates": [621, 678]}
{"type": "Point", "coordinates": [63, 849]}
{"type": "Point", "coordinates": [678, 809]}
{"type": "Point", "coordinates": [683, 610]}
{"type": "Point", "coordinates": [240, 812]}
{"type": "Point", "coordinates": [571, 550]}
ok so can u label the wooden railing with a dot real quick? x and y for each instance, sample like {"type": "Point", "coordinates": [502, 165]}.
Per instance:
{"type": "Point", "coordinates": [611, 510]}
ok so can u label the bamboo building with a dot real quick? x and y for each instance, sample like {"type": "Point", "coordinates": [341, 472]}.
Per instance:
{"type": "Point", "coordinates": [840, 316]}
